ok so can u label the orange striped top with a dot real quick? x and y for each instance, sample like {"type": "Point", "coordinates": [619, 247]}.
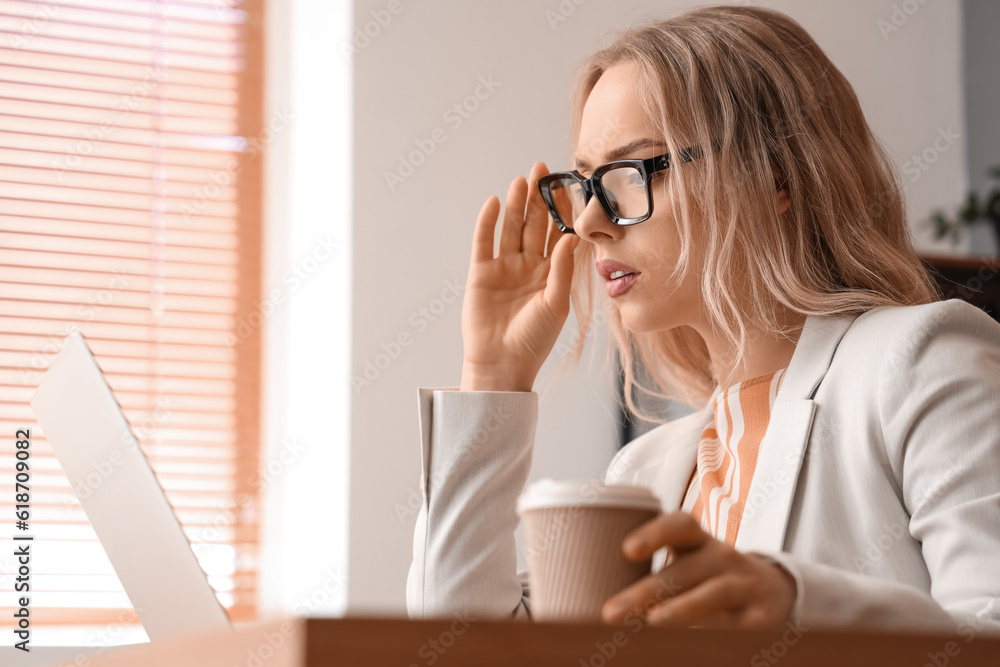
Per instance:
{"type": "Point", "coordinates": [727, 454]}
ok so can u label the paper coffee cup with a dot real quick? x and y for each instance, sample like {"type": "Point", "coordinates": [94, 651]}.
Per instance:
{"type": "Point", "coordinates": [574, 532]}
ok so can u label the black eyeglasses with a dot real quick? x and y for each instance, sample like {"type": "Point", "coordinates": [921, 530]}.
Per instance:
{"type": "Point", "coordinates": [622, 187]}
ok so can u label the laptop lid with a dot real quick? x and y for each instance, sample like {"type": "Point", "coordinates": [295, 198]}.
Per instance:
{"type": "Point", "coordinates": [129, 512]}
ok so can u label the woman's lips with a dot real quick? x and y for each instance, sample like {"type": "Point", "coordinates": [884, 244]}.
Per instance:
{"type": "Point", "coordinates": [606, 267]}
{"type": "Point", "coordinates": [620, 276]}
{"type": "Point", "coordinates": [619, 286]}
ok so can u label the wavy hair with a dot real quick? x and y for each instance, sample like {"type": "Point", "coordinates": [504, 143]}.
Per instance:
{"type": "Point", "coordinates": [751, 83]}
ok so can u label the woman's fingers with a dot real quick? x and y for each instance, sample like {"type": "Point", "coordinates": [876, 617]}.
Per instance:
{"type": "Point", "coordinates": [562, 201]}
{"type": "Point", "coordinates": [683, 574]}
{"type": "Point", "coordinates": [561, 274]}
{"type": "Point", "coordinates": [524, 226]}
{"type": "Point", "coordinates": [482, 237]}
{"type": "Point", "coordinates": [639, 599]}
{"type": "Point", "coordinates": [554, 235]}
{"type": "Point", "coordinates": [536, 215]}
{"type": "Point", "coordinates": [713, 604]}
{"type": "Point", "coordinates": [513, 216]}
{"type": "Point", "coordinates": [678, 530]}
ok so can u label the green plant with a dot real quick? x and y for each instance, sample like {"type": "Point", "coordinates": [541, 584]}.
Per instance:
{"type": "Point", "coordinates": [973, 211]}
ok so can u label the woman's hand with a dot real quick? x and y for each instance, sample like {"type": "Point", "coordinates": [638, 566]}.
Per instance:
{"type": "Point", "coordinates": [515, 304]}
{"type": "Point", "coordinates": [706, 583]}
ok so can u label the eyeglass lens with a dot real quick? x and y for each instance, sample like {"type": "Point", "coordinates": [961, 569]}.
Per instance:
{"type": "Point", "coordinates": [624, 190]}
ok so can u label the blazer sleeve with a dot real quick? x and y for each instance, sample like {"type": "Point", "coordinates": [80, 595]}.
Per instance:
{"type": "Point", "coordinates": [476, 451]}
{"type": "Point", "coordinates": [938, 404]}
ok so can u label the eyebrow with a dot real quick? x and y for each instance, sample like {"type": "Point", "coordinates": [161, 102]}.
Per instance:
{"type": "Point", "coordinates": [623, 151]}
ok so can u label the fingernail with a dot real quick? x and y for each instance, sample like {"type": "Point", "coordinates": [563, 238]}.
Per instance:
{"type": "Point", "coordinates": [635, 544]}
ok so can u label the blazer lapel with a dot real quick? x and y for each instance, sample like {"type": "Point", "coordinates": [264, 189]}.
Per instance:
{"type": "Point", "coordinates": [779, 459]}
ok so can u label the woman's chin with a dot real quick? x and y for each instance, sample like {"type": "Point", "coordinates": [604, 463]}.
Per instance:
{"type": "Point", "coordinates": [638, 323]}
{"type": "Point", "coordinates": [644, 319]}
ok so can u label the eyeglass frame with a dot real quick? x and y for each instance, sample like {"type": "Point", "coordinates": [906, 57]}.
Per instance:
{"type": "Point", "coordinates": [593, 187]}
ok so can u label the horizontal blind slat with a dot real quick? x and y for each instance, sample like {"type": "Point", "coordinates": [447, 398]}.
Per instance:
{"type": "Point", "coordinates": [68, 64]}
{"type": "Point", "coordinates": [113, 248]}
{"type": "Point", "coordinates": [168, 267]}
{"type": "Point", "coordinates": [92, 143]}
{"type": "Point", "coordinates": [134, 117]}
{"type": "Point", "coordinates": [31, 16]}
{"type": "Point", "coordinates": [178, 9]}
{"type": "Point", "coordinates": [95, 230]}
{"type": "Point", "coordinates": [183, 53]}
{"type": "Point", "coordinates": [116, 331]}
{"type": "Point", "coordinates": [195, 145]}
{"type": "Point", "coordinates": [118, 291]}
{"type": "Point", "coordinates": [137, 97]}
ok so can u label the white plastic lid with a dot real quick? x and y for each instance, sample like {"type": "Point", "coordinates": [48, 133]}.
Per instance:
{"type": "Point", "coordinates": [546, 493]}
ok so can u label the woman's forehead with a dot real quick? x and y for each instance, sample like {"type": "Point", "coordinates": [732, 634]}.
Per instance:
{"type": "Point", "coordinates": [613, 116]}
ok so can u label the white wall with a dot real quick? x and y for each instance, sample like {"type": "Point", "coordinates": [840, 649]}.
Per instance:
{"type": "Point", "coordinates": [409, 242]}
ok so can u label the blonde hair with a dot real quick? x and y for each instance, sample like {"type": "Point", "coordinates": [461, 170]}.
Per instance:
{"type": "Point", "coordinates": [753, 85]}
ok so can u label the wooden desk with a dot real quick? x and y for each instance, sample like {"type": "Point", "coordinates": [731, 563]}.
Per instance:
{"type": "Point", "coordinates": [363, 642]}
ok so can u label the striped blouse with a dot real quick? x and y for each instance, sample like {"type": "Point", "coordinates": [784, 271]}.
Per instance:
{"type": "Point", "coordinates": [727, 454]}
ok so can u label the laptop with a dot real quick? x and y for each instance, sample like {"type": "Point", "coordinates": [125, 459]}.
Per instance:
{"type": "Point", "coordinates": [135, 524]}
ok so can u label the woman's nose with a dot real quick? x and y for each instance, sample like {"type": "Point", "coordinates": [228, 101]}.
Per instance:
{"type": "Point", "coordinates": [593, 224]}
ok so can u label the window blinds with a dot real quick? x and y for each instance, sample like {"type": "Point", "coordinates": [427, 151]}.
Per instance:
{"type": "Point", "coordinates": [129, 209]}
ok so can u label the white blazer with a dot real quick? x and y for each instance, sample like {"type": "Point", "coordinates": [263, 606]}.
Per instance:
{"type": "Point", "coordinates": [877, 483]}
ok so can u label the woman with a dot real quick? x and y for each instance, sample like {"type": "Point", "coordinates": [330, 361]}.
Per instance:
{"type": "Point", "coordinates": [755, 252]}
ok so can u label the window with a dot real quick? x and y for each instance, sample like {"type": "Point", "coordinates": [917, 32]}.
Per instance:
{"type": "Point", "coordinates": [130, 198]}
